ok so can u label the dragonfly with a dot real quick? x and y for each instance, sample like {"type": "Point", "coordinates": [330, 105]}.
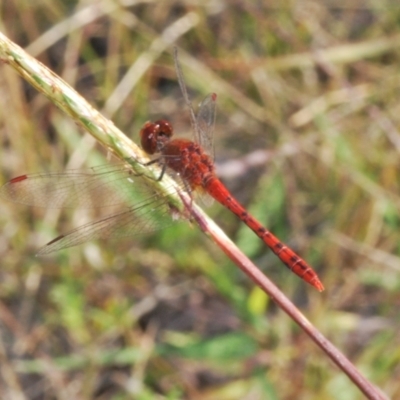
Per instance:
{"type": "Point", "coordinates": [192, 161]}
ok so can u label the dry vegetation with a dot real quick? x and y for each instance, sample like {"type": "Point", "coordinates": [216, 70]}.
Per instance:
{"type": "Point", "coordinates": [307, 137]}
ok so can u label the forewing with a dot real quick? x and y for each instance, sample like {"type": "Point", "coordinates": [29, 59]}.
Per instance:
{"type": "Point", "coordinates": [94, 187]}
{"type": "Point", "coordinates": [203, 124]}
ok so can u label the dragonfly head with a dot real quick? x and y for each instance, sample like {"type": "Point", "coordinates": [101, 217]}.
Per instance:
{"type": "Point", "coordinates": [154, 135]}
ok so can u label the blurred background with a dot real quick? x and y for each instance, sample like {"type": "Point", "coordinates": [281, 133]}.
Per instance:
{"type": "Point", "coordinates": [307, 137]}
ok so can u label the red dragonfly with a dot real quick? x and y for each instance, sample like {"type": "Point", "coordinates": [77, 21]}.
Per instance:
{"type": "Point", "coordinates": [104, 186]}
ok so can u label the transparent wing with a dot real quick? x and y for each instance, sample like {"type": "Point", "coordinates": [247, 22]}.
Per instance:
{"type": "Point", "coordinates": [205, 122]}
{"type": "Point", "coordinates": [143, 210]}
{"type": "Point", "coordinates": [147, 217]}
{"type": "Point", "coordinates": [90, 188]}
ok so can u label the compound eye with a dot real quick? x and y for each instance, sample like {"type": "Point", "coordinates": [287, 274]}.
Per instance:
{"type": "Point", "coordinates": [149, 137]}
{"type": "Point", "coordinates": [154, 135]}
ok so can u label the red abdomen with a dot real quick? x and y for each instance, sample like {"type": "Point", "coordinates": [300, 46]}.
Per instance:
{"type": "Point", "coordinates": [219, 192]}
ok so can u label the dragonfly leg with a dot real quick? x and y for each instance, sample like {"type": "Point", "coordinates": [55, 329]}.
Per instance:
{"type": "Point", "coordinates": [164, 167]}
